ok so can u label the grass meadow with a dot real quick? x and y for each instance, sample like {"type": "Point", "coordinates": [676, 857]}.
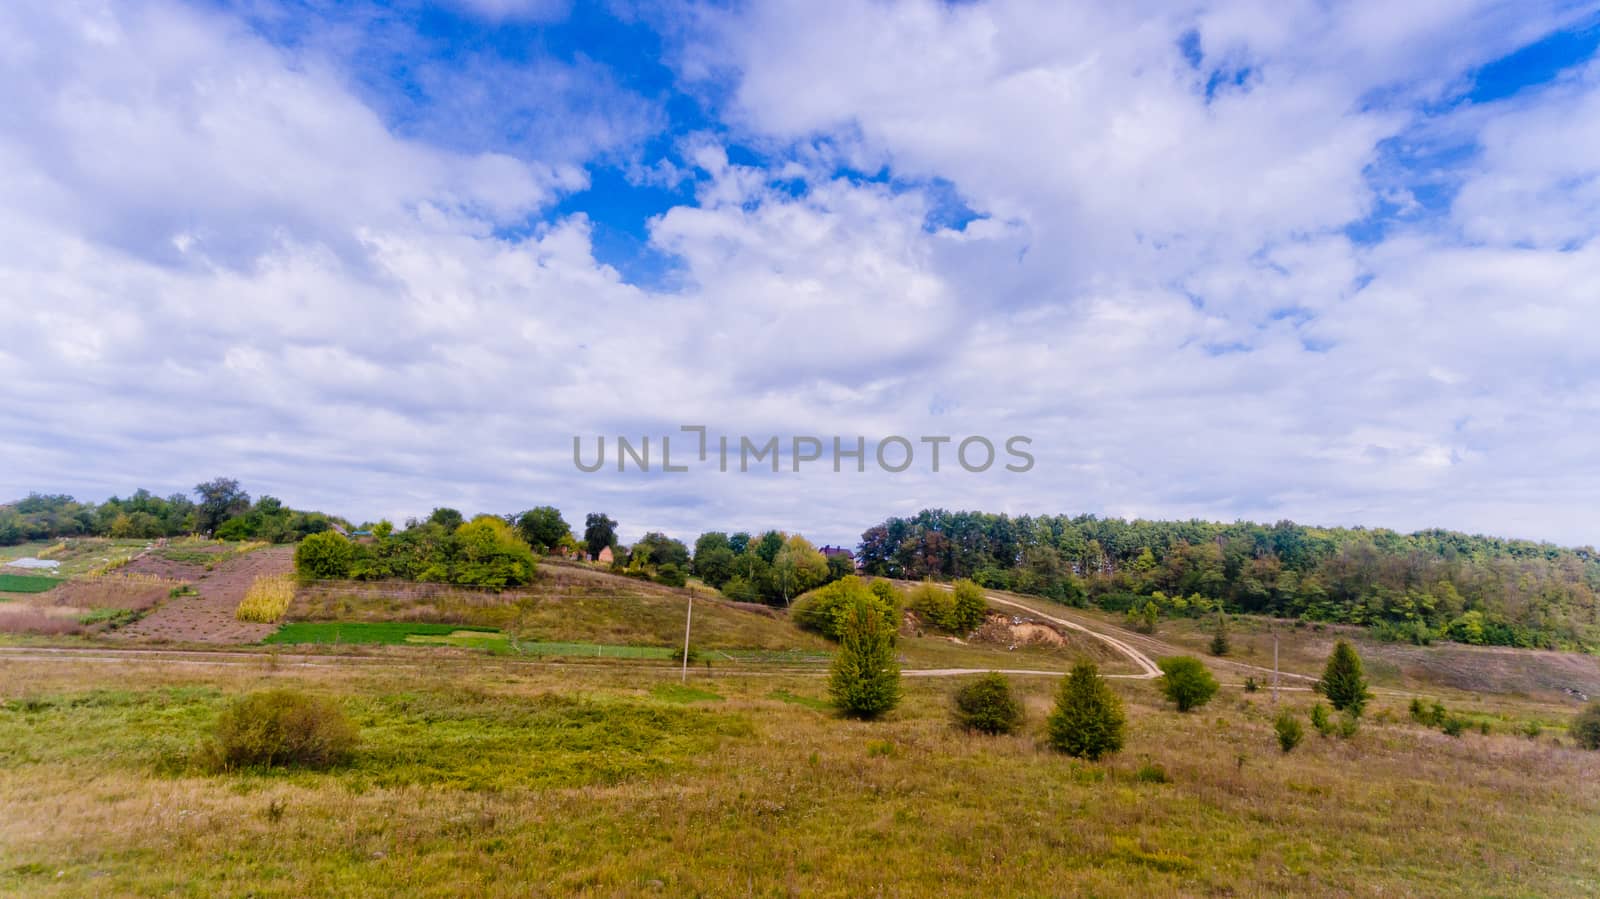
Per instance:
{"type": "Point", "coordinates": [490, 776]}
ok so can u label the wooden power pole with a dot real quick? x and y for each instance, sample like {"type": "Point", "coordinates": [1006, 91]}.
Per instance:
{"type": "Point", "coordinates": [688, 620]}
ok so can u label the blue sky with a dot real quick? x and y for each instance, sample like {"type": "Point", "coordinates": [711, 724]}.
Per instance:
{"type": "Point", "coordinates": [1334, 263]}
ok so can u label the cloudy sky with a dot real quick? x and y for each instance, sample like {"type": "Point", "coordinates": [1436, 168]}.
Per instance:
{"type": "Point", "coordinates": [1233, 259]}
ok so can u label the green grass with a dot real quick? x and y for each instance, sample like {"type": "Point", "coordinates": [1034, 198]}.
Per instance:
{"type": "Point", "coordinates": [80, 554]}
{"type": "Point", "coordinates": [810, 702]}
{"type": "Point", "coordinates": [26, 583]}
{"type": "Point", "coordinates": [683, 694]}
{"type": "Point", "coordinates": [446, 738]}
{"type": "Point", "coordinates": [594, 650]}
{"type": "Point", "coordinates": [481, 777]}
{"type": "Point", "coordinates": [396, 633]}
{"type": "Point", "coordinates": [369, 632]}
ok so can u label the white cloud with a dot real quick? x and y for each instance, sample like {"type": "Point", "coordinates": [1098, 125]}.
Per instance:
{"type": "Point", "coordinates": [216, 257]}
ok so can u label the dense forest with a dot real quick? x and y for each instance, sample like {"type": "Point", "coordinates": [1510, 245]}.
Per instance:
{"type": "Point", "coordinates": [1428, 585]}
{"type": "Point", "coordinates": [221, 508]}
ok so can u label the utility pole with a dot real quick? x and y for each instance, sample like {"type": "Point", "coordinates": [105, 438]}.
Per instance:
{"type": "Point", "coordinates": [1274, 666]}
{"type": "Point", "coordinates": [687, 621]}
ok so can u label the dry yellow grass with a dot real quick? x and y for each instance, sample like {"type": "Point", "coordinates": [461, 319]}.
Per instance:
{"type": "Point", "coordinates": [267, 599]}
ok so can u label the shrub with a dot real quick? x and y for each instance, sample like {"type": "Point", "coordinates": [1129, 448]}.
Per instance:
{"type": "Point", "coordinates": [1151, 773]}
{"type": "Point", "coordinates": [1220, 644]}
{"type": "Point", "coordinates": [490, 554]}
{"type": "Point", "coordinates": [1088, 720]}
{"type": "Point", "coordinates": [267, 599]}
{"type": "Point", "coordinates": [324, 556]}
{"type": "Point", "coordinates": [865, 682]}
{"type": "Point", "coordinates": [1532, 730]}
{"type": "Point", "coordinates": [1453, 726]}
{"type": "Point", "coordinates": [825, 609]}
{"type": "Point", "coordinates": [969, 608]}
{"type": "Point", "coordinates": [1186, 682]}
{"type": "Point", "coordinates": [1320, 720]}
{"type": "Point", "coordinates": [671, 575]}
{"type": "Point", "coordinates": [283, 727]}
{"type": "Point", "coordinates": [987, 706]}
{"type": "Point", "coordinates": [935, 606]}
{"type": "Point", "coordinates": [1349, 724]}
{"type": "Point", "coordinates": [1585, 728]}
{"type": "Point", "coordinates": [1144, 621]}
{"type": "Point", "coordinates": [1250, 685]}
{"type": "Point", "coordinates": [1342, 681]}
{"type": "Point", "coordinates": [1289, 731]}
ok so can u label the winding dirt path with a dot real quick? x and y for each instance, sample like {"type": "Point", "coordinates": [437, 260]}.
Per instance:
{"type": "Point", "coordinates": [1147, 667]}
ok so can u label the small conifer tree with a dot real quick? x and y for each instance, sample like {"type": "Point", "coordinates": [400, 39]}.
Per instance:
{"type": "Point", "coordinates": [1342, 680]}
{"type": "Point", "coordinates": [1088, 720]}
{"type": "Point", "coordinates": [865, 682]}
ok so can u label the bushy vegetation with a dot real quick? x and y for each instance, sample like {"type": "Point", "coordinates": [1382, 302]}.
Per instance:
{"type": "Point", "coordinates": [1342, 681]}
{"type": "Point", "coordinates": [826, 610]}
{"type": "Point", "coordinates": [1321, 720]}
{"type": "Point", "coordinates": [771, 569]}
{"type": "Point", "coordinates": [222, 508]}
{"type": "Point", "coordinates": [483, 552]}
{"type": "Point", "coordinates": [267, 599]}
{"type": "Point", "coordinates": [1585, 727]}
{"type": "Point", "coordinates": [1186, 682]}
{"type": "Point", "coordinates": [1287, 727]}
{"type": "Point", "coordinates": [865, 679]}
{"type": "Point", "coordinates": [1088, 720]}
{"type": "Point", "coordinates": [1428, 585]}
{"type": "Point", "coordinates": [987, 705]}
{"type": "Point", "coordinates": [283, 728]}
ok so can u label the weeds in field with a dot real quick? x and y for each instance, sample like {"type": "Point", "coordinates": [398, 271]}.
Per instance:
{"type": "Point", "coordinates": [267, 599]}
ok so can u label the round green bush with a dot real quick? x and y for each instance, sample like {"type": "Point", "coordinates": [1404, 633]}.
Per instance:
{"type": "Point", "coordinates": [325, 556]}
{"type": "Point", "coordinates": [1187, 682]}
{"type": "Point", "coordinates": [987, 706]}
{"type": "Point", "coordinates": [283, 727]}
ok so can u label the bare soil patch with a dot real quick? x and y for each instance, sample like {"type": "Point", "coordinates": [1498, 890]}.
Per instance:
{"type": "Point", "coordinates": [208, 617]}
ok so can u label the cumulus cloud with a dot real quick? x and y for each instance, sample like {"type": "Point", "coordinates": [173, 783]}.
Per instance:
{"type": "Point", "coordinates": [224, 255]}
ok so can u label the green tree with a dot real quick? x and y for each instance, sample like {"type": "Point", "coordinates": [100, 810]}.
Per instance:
{"type": "Point", "coordinates": [220, 500]}
{"type": "Point", "coordinates": [1342, 680]}
{"type": "Point", "coordinates": [827, 609]}
{"type": "Point", "coordinates": [447, 518]}
{"type": "Point", "coordinates": [599, 532]}
{"type": "Point", "coordinates": [865, 680]}
{"type": "Point", "coordinates": [658, 549]}
{"type": "Point", "coordinates": [1585, 727]}
{"type": "Point", "coordinates": [714, 565]}
{"type": "Point", "coordinates": [798, 567]}
{"type": "Point", "coordinates": [490, 554]}
{"type": "Point", "coordinates": [1088, 720]}
{"type": "Point", "coordinates": [969, 608]}
{"type": "Point", "coordinates": [986, 705]}
{"type": "Point", "coordinates": [543, 528]}
{"type": "Point", "coordinates": [1186, 682]}
{"type": "Point", "coordinates": [1220, 645]}
{"type": "Point", "coordinates": [324, 556]}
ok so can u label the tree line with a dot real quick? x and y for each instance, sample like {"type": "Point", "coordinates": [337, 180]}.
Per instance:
{"type": "Point", "coordinates": [1428, 585]}
{"type": "Point", "coordinates": [220, 508]}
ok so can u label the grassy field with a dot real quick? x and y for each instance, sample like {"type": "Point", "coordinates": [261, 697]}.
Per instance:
{"type": "Point", "coordinates": [77, 555]}
{"type": "Point", "coordinates": [27, 583]}
{"type": "Point", "coordinates": [494, 777]}
{"type": "Point", "coordinates": [567, 606]}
